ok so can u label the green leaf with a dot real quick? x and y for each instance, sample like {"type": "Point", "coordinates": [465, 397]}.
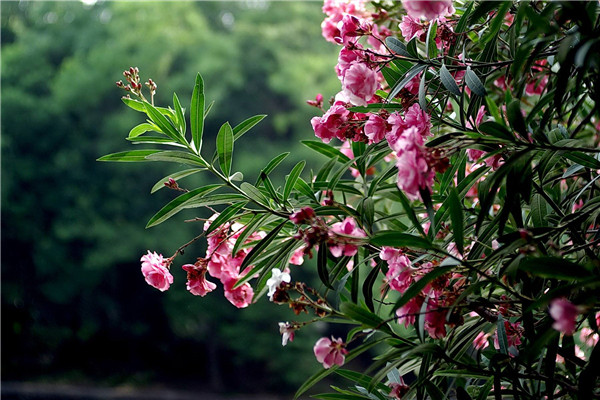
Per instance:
{"type": "Point", "coordinates": [325, 149]}
{"type": "Point", "coordinates": [495, 129]}
{"type": "Point", "coordinates": [179, 114]}
{"type": "Point", "coordinates": [448, 80]}
{"type": "Point", "coordinates": [515, 117]}
{"type": "Point", "coordinates": [410, 213]}
{"type": "Point", "coordinates": [582, 159]}
{"type": "Point", "coordinates": [134, 104]}
{"type": "Point", "coordinates": [181, 157]}
{"type": "Point", "coordinates": [364, 316]}
{"type": "Point", "coordinates": [322, 265]}
{"type": "Point", "coordinates": [397, 239]}
{"type": "Point", "coordinates": [456, 216]}
{"type": "Point", "coordinates": [180, 203]}
{"type": "Point", "coordinates": [259, 247]}
{"type": "Point", "coordinates": [474, 83]}
{"type": "Point", "coordinates": [246, 125]}
{"type": "Point", "coordinates": [140, 129]}
{"type": "Point", "coordinates": [414, 71]}
{"type": "Point", "coordinates": [304, 188]}
{"type": "Point", "coordinates": [165, 125]}
{"type": "Point", "coordinates": [154, 140]}
{"type": "Point", "coordinates": [225, 148]}
{"type": "Point", "coordinates": [555, 268]}
{"type": "Point", "coordinates": [270, 188]}
{"type": "Point", "coordinates": [255, 223]}
{"type": "Point", "coordinates": [396, 46]}
{"type": "Point", "coordinates": [430, 46]}
{"type": "Point", "coordinates": [197, 113]}
{"type": "Point", "coordinates": [367, 288]}
{"type": "Point", "coordinates": [274, 163]}
{"type": "Point", "coordinates": [290, 182]}
{"type": "Point", "coordinates": [501, 334]}
{"type": "Point", "coordinates": [539, 211]}
{"type": "Point", "coordinates": [253, 193]}
{"type": "Point", "coordinates": [225, 216]}
{"type": "Point", "coordinates": [177, 175]}
{"type": "Point", "coordinates": [129, 156]}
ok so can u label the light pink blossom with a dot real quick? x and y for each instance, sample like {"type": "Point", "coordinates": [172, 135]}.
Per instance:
{"type": "Point", "coordinates": [407, 314]}
{"type": "Point", "coordinates": [154, 269]}
{"type": "Point", "coordinates": [564, 314]}
{"type": "Point", "coordinates": [241, 297]}
{"type": "Point", "coordinates": [411, 27]}
{"type": "Point", "coordinates": [331, 123]}
{"type": "Point", "coordinates": [481, 341]}
{"type": "Point", "coordinates": [359, 83]}
{"type": "Point", "coordinates": [297, 257]}
{"type": "Point", "coordinates": [196, 280]}
{"type": "Point", "coordinates": [343, 237]}
{"type": "Point", "coordinates": [375, 128]}
{"type": "Point", "coordinates": [330, 352]}
{"type": "Point", "coordinates": [428, 9]}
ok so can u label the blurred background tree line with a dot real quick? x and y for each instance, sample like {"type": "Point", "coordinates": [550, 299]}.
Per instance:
{"type": "Point", "coordinates": [75, 307]}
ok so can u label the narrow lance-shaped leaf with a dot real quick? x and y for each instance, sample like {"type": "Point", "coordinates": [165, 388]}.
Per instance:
{"type": "Point", "coordinates": [290, 182]}
{"type": "Point", "coordinates": [140, 129]}
{"type": "Point", "coordinates": [448, 80]}
{"type": "Point", "coordinates": [165, 125]}
{"type": "Point", "coordinates": [414, 71]}
{"type": "Point", "coordinates": [246, 125]}
{"type": "Point", "coordinates": [474, 83]}
{"type": "Point", "coordinates": [129, 156]}
{"type": "Point", "coordinates": [225, 148]}
{"type": "Point", "coordinates": [322, 265]}
{"type": "Point", "coordinates": [225, 216]}
{"type": "Point", "coordinates": [260, 247]}
{"type": "Point", "coordinates": [179, 114]}
{"type": "Point", "coordinates": [197, 113]}
{"type": "Point", "coordinates": [181, 157]}
{"type": "Point", "coordinates": [179, 203]}
{"type": "Point", "coordinates": [396, 46]}
{"type": "Point", "coordinates": [456, 216]}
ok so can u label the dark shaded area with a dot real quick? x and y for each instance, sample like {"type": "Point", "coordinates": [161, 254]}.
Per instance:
{"type": "Point", "coordinates": [75, 307]}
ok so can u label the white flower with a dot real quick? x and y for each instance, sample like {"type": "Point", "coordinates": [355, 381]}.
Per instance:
{"type": "Point", "coordinates": [277, 276]}
{"type": "Point", "coordinates": [287, 332]}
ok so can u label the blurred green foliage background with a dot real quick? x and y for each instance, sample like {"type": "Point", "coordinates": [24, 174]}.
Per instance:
{"type": "Point", "coordinates": [75, 307]}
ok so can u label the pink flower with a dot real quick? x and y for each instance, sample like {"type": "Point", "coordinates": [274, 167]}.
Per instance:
{"type": "Point", "coordinates": [481, 341]}
{"type": "Point", "coordinates": [303, 216]}
{"type": "Point", "coordinates": [430, 9]}
{"type": "Point", "coordinates": [414, 173]}
{"type": "Point", "coordinates": [330, 352]}
{"type": "Point", "coordinates": [398, 389]}
{"type": "Point", "coordinates": [287, 332]}
{"type": "Point", "coordinates": [196, 280]}
{"type": "Point", "coordinates": [411, 27]}
{"type": "Point", "coordinates": [241, 297]}
{"type": "Point", "coordinates": [155, 271]}
{"type": "Point", "coordinates": [564, 314]}
{"type": "Point", "coordinates": [435, 319]}
{"type": "Point", "coordinates": [514, 332]}
{"type": "Point", "coordinates": [297, 257]}
{"type": "Point", "coordinates": [375, 128]}
{"type": "Point", "coordinates": [331, 123]}
{"type": "Point", "coordinates": [359, 83]}
{"type": "Point", "coordinates": [343, 237]}
{"type": "Point", "coordinates": [400, 273]}
{"type": "Point", "coordinates": [418, 118]}
{"type": "Point", "coordinates": [329, 29]}
{"type": "Point", "coordinates": [588, 337]}
{"type": "Point", "coordinates": [350, 28]}
{"type": "Point", "coordinates": [407, 314]}
{"type": "Point", "coordinates": [346, 58]}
